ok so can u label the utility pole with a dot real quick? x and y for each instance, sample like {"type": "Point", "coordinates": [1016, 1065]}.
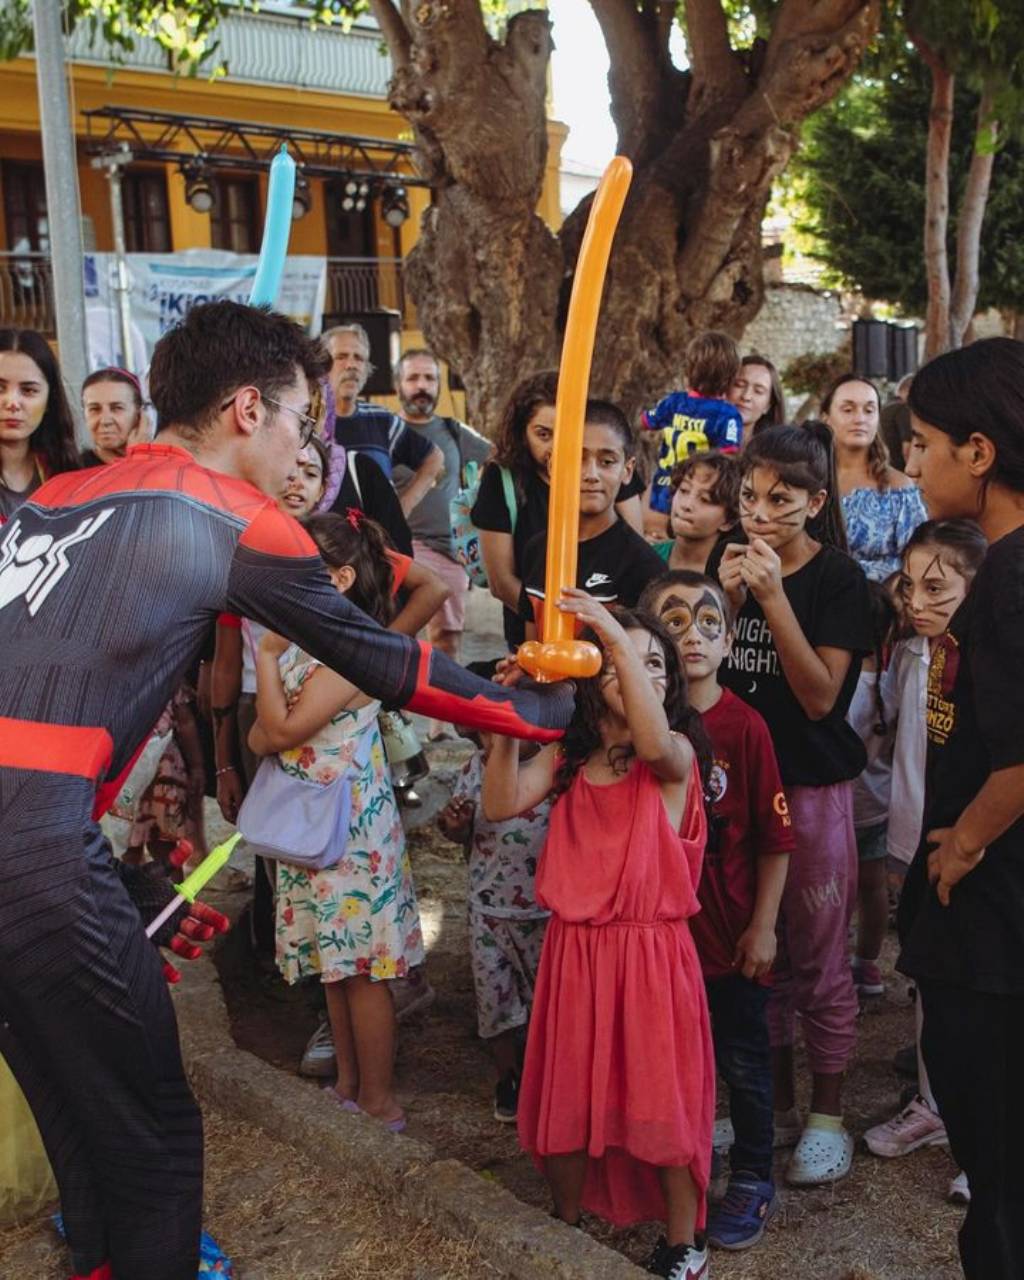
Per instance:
{"type": "Point", "coordinates": [62, 209]}
{"type": "Point", "coordinates": [113, 162]}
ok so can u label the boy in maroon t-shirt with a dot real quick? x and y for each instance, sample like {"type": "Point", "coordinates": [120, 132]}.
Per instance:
{"type": "Point", "coordinates": [749, 843]}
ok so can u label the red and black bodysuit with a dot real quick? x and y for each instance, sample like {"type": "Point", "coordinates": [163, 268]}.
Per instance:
{"type": "Point", "coordinates": [110, 580]}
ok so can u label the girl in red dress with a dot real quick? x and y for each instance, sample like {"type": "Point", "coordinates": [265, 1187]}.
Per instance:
{"type": "Point", "coordinates": [617, 1097]}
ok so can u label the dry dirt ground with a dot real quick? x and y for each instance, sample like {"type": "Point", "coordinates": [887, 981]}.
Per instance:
{"type": "Point", "coordinates": [278, 1219]}
{"type": "Point", "coordinates": [886, 1221]}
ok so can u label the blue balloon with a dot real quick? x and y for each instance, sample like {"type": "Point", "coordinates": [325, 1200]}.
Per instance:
{"type": "Point", "coordinates": [276, 229]}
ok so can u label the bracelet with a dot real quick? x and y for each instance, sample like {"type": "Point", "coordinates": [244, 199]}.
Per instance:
{"type": "Point", "coordinates": [228, 768]}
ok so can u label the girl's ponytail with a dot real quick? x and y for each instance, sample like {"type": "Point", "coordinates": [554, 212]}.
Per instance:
{"type": "Point", "coordinates": [360, 543]}
{"type": "Point", "coordinates": [829, 525]}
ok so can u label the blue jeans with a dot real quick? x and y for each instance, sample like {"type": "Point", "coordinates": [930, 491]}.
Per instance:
{"type": "Point", "coordinates": [739, 1025]}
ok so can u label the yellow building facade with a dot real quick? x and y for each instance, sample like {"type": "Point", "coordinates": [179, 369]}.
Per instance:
{"type": "Point", "coordinates": [281, 73]}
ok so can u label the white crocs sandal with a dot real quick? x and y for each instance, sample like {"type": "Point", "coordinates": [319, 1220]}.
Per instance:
{"type": "Point", "coordinates": [821, 1156]}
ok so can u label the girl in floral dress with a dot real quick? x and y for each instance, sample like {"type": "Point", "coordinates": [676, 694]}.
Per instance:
{"type": "Point", "coordinates": [355, 924]}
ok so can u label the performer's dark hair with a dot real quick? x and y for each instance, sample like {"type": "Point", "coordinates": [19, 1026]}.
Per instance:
{"type": "Point", "coordinates": [359, 542]}
{"type": "Point", "coordinates": [54, 438]}
{"type": "Point", "coordinates": [221, 347]}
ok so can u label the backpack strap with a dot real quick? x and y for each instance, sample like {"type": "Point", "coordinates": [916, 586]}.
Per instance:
{"type": "Point", "coordinates": [509, 486]}
{"type": "Point", "coordinates": [455, 432]}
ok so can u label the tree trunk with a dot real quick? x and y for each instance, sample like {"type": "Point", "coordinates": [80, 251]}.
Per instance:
{"type": "Point", "coordinates": [491, 281]}
{"type": "Point", "coordinates": [936, 209]}
{"type": "Point", "coordinates": [971, 217]}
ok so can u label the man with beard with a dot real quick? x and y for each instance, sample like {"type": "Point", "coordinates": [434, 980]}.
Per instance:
{"type": "Point", "coordinates": [417, 377]}
{"type": "Point", "coordinates": [370, 429]}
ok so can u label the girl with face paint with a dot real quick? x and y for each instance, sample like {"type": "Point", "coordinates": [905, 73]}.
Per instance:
{"type": "Point", "coordinates": [802, 626]}
{"type": "Point", "coordinates": [939, 564]}
{"type": "Point", "coordinates": [961, 916]}
{"type": "Point", "coordinates": [619, 995]}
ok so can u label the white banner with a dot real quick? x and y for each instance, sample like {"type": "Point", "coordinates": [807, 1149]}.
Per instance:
{"type": "Point", "coordinates": [165, 285]}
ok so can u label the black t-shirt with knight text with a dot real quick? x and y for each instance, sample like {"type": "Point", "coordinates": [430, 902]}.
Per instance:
{"type": "Point", "coordinates": [614, 568]}
{"type": "Point", "coordinates": [975, 706]}
{"type": "Point", "coordinates": [829, 597]}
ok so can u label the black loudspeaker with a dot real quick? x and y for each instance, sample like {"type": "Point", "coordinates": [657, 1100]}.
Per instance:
{"type": "Point", "coordinates": [871, 348]}
{"type": "Point", "coordinates": [385, 332]}
{"type": "Point", "coordinates": [903, 342]}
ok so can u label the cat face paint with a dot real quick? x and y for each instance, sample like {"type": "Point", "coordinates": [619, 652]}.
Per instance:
{"type": "Point", "coordinates": [771, 509]}
{"type": "Point", "coordinates": [931, 589]}
{"type": "Point", "coordinates": [697, 623]}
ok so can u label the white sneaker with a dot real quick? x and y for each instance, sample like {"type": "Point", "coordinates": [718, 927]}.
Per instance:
{"type": "Point", "coordinates": [821, 1156]}
{"type": "Point", "coordinates": [959, 1190]}
{"type": "Point", "coordinates": [318, 1055]}
{"type": "Point", "coordinates": [917, 1125]}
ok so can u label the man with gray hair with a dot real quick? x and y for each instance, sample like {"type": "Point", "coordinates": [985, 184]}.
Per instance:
{"type": "Point", "coordinates": [371, 429]}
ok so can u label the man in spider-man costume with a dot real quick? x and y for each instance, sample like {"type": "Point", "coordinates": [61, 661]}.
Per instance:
{"type": "Point", "coordinates": [110, 580]}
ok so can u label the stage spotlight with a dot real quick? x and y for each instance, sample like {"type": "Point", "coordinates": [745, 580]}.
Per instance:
{"type": "Point", "coordinates": [198, 189]}
{"type": "Point", "coordinates": [302, 200]}
{"type": "Point", "coordinates": [394, 206]}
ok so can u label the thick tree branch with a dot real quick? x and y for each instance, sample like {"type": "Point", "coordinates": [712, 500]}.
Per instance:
{"type": "Point", "coordinates": [972, 215]}
{"type": "Point", "coordinates": [394, 31]}
{"type": "Point", "coordinates": [717, 72]}
{"type": "Point", "coordinates": [814, 47]}
{"type": "Point", "coordinates": [647, 93]}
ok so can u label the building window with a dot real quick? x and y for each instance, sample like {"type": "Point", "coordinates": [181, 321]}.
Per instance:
{"type": "Point", "coordinates": [27, 226]}
{"type": "Point", "coordinates": [235, 217]}
{"type": "Point", "coordinates": [147, 221]}
{"type": "Point", "coordinates": [350, 233]}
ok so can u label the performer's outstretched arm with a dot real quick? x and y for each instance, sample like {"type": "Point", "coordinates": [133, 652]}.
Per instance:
{"type": "Point", "coordinates": [278, 578]}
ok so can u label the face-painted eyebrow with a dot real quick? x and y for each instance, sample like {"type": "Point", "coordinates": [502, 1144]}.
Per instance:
{"type": "Point", "coordinates": [673, 602]}
{"type": "Point", "coordinates": [936, 564]}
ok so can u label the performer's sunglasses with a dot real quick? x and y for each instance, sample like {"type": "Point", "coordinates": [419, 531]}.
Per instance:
{"type": "Point", "coordinates": [307, 424]}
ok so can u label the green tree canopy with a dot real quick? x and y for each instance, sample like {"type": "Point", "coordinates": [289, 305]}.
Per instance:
{"type": "Point", "coordinates": [860, 179]}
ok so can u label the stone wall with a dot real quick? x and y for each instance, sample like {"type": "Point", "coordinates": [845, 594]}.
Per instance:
{"type": "Point", "coordinates": [796, 320]}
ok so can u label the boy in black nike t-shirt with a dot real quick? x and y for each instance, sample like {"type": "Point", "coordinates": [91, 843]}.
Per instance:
{"type": "Point", "coordinates": [615, 563]}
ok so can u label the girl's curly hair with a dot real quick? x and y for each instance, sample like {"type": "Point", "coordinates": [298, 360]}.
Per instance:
{"type": "Point", "coordinates": [583, 735]}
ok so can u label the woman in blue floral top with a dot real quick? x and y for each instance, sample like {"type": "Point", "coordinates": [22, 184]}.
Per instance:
{"type": "Point", "coordinates": [355, 924]}
{"type": "Point", "coordinates": [881, 506]}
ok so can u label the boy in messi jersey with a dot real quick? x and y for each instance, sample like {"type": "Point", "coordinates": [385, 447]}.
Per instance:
{"type": "Point", "coordinates": [110, 580]}
{"type": "Point", "coordinates": [694, 420]}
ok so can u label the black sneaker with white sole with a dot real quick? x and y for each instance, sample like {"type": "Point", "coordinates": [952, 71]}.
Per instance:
{"type": "Point", "coordinates": [506, 1098]}
{"type": "Point", "coordinates": [679, 1261]}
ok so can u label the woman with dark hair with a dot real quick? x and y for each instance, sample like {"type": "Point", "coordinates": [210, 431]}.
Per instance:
{"type": "Point", "coordinates": [881, 506]}
{"type": "Point", "coordinates": [37, 431]}
{"type": "Point", "coordinates": [757, 392]}
{"type": "Point", "coordinates": [512, 504]}
{"type": "Point", "coordinates": [961, 916]}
